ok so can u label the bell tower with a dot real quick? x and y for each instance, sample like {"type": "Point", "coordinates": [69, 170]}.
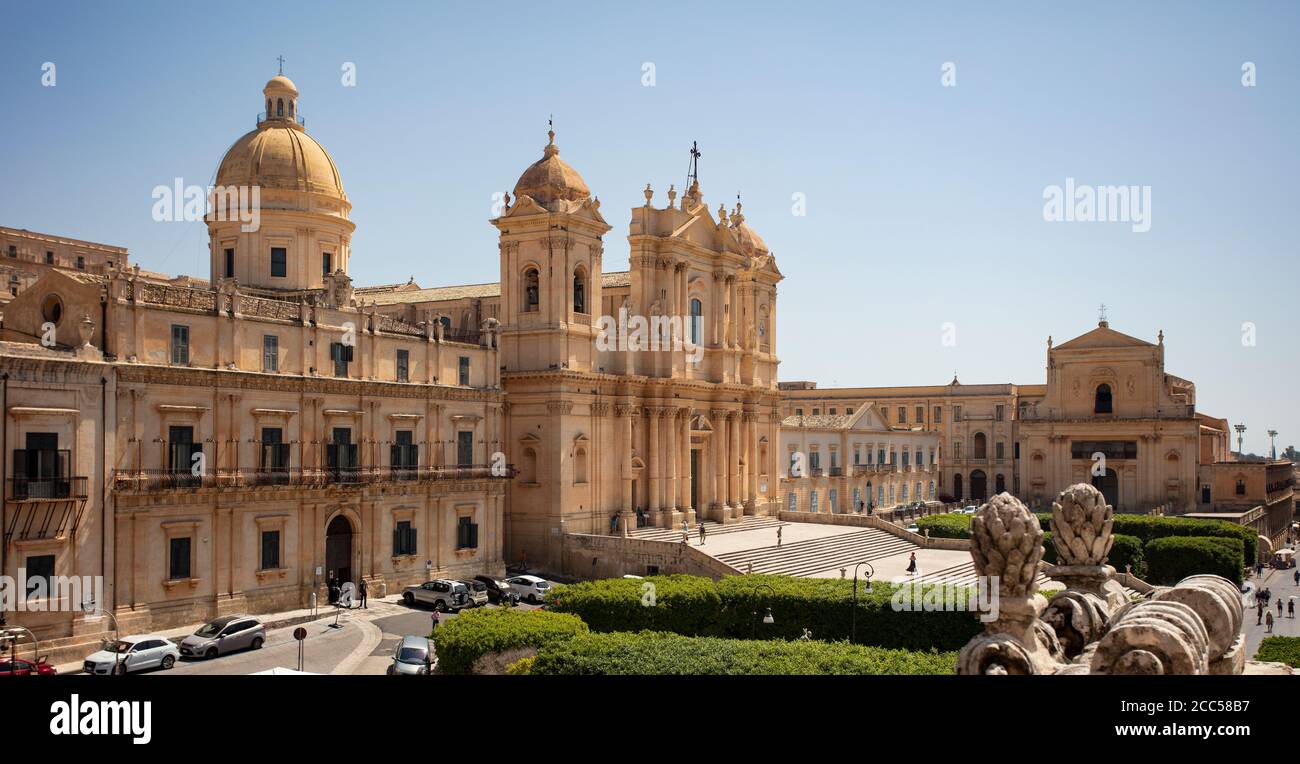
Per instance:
{"type": "Point", "coordinates": [551, 248]}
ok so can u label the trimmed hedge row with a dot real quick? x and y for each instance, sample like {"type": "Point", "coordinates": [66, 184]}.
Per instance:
{"type": "Point", "coordinates": [1282, 649]}
{"type": "Point", "coordinates": [462, 640]}
{"type": "Point", "coordinates": [1171, 559]}
{"type": "Point", "coordinates": [1126, 550]}
{"type": "Point", "coordinates": [660, 653]}
{"type": "Point", "coordinates": [946, 526]}
{"type": "Point", "coordinates": [735, 606]}
{"type": "Point", "coordinates": [1151, 527]}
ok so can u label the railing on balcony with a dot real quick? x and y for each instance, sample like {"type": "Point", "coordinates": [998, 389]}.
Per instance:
{"type": "Point", "coordinates": [837, 472]}
{"type": "Point", "coordinates": [47, 488]}
{"type": "Point", "coordinates": [163, 480]}
{"type": "Point", "coordinates": [405, 461]}
{"type": "Point", "coordinates": [264, 116]}
{"type": "Point", "coordinates": [468, 336]}
{"type": "Point", "coordinates": [815, 471]}
{"type": "Point", "coordinates": [273, 467]}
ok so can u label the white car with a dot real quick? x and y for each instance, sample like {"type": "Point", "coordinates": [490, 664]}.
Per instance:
{"type": "Point", "coordinates": [914, 528]}
{"type": "Point", "coordinates": [134, 653]}
{"type": "Point", "coordinates": [529, 588]}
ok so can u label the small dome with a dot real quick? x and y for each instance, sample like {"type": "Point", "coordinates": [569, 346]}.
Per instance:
{"type": "Point", "coordinates": [280, 83]}
{"type": "Point", "coordinates": [750, 242]}
{"type": "Point", "coordinates": [551, 179]}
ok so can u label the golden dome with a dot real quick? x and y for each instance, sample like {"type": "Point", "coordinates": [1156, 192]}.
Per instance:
{"type": "Point", "coordinates": [280, 156]}
{"type": "Point", "coordinates": [551, 179]}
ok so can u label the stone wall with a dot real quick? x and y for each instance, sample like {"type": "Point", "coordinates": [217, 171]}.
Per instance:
{"type": "Point", "coordinates": [587, 556]}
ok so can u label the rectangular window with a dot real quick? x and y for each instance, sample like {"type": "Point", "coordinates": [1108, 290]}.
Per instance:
{"type": "Point", "coordinates": [465, 448]}
{"type": "Point", "coordinates": [902, 415]}
{"type": "Point", "coordinates": [997, 412]}
{"type": "Point", "coordinates": [832, 411]}
{"type": "Point", "coordinates": [274, 462]}
{"type": "Point", "coordinates": [403, 365]}
{"type": "Point", "coordinates": [13, 251]}
{"type": "Point", "coordinates": [39, 567]}
{"type": "Point", "coordinates": [270, 550]}
{"type": "Point", "coordinates": [179, 558]}
{"type": "Point", "coordinates": [956, 413]}
{"type": "Point", "coordinates": [270, 352]}
{"type": "Point", "coordinates": [815, 460]}
{"type": "Point", "coordinates": [326, 263]}
{"type": "Point", "coordinates": [798, 412]}
{"type": "Point", "coordinates": [793, 501]}
{"type": "Point", "coordinates": [403, 539]}
{"type": "Point", "coordinates": [920, 414]}
{"type": "Point", "coordinates": [812, 501]}
{"type": "Point", "coordinates": [49, 258]}
{"type": "Point", "coordinates": [341, 355]}
{"type": "Point", "coordinates": [1016, 449]}
{"type": "Point", "coordinates": [464, 371]}
{"type": "Point", "coordinates": [466, 533]}
{"type": "Point", "coordinates": [849, 411]}
{"type": "Point", "coordinates": [81, 263]}
{"type": "Point", "coordinates": [230, 263]}
{"type": "Point", "coordinates": [405, 456]}
{"type": "Point", "coordinates": [279, 262]}
{"type": "Point", "coordinates": [998, 450]}
{"type": "Point", "coordinates": [180, 345]}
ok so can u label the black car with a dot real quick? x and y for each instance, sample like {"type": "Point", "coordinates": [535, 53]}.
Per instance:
{"type": "Point", "coordinates": [496, 589]}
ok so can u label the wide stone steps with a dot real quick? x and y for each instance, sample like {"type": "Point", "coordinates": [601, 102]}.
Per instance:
{"type": "Point", "coordinates": [711, 529]}
{"type": "Point", "coordinates": [804, 558]}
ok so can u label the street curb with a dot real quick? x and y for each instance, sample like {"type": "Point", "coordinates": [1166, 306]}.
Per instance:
{"type": "Point", "coordinates": [370, 638]}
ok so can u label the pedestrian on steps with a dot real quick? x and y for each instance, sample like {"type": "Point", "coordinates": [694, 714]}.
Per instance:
{"type": "Point", "coordinates": [361, 589]}
{"type": "Point", "coordinates": [778, 535]}
{"type": "Point", "coordinates": [911, 564]}
{"type": "Point", "coordinates": [1268, 622]}
{"type": "Point", "coordinates": [701, 533]}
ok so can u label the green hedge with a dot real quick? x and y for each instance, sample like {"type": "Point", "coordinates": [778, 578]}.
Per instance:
{"type": "Point", "coordinates": [1282, 649]}
{"type": "Point", "coordinates": [734, 608]}
{"type": "Point", "coordinates": [462, 640]}
{"type": "Point", "coordinates": [659, 653]}
{"type": "Point", "coordinates": [946, 526]}
{"type": "Point", "coordinates": [1171, 559]}
{"type": "Point", "coordinates": [1151, 527]}
{"type": "Point", "coordinates": [682, 604]}
{"type": "Point", "coordinates": [1126, 550]}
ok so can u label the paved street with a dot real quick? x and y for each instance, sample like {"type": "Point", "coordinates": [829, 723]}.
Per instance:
{"type": "Point", "coordinates": [1282, 583]}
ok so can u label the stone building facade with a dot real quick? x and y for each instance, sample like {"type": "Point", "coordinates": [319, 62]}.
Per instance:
{"type": "Point", "coordinates": [230, 448]}
{"type": "Point", "coordinates": [609, 428]}
{"type": "Point", "coordinates": [853, 461]}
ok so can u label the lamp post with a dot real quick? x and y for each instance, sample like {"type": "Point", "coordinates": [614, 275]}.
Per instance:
{"type": "Point", "coordinates": [1241, 430]}
{"type": "Point", "coordinates": [89, 605]}
{"type": "Point", "coordinates": [1272, 444]}
{"type": "Point", "coordinates": [767, 613]}
{"type": "Point", "coordinates": [853, 617]}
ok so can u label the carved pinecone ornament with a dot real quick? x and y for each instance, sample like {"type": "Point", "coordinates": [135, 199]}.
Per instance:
{"type": "Point", "coordinates": [1081, 525]}
{"type": "Point", "coordinates": [1007, 542]}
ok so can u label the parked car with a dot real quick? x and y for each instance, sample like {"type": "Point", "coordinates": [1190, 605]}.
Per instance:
{"type": "Point", "coordinates": [22, 667]}
{"type": "Point", "coordinates": [969, 509]}
{"type": "Point", "coordinates": [478, 596]}
{"type": "Point", "coordinates": [224, 635]}
{"type": "Point", "coordinates": [441, 594]}
{"type": "Point", "coordinates": [414, 656]}
{"type": "Point", "coordinates": [530, 588]}
{"type": "Point", "coordinates": [498, 589]}
{"type": "Point", "coordinates": [914, 528]}
{"type": "Point", "coordinates": [134, 653]}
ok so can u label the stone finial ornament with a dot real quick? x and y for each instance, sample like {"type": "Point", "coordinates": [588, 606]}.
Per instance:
{"type": "Point", "coordinates": [649, 194]}
{"type": "Point", "coordinates": [1007, 543]}
{"type": "Point", "coordinates": [1081, 526]}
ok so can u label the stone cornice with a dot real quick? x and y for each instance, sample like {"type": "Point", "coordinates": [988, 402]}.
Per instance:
{"type": "Point", "coordinates": [246, 380]}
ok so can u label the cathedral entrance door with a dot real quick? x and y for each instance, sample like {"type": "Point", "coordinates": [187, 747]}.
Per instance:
{"type": "Point", "coordinates": [1108, 484]}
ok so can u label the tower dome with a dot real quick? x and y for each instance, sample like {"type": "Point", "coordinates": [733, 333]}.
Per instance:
{"type": "Point", "coordinates": [302, 234]}
{"type": "Point", "coordinates": [551, 179]}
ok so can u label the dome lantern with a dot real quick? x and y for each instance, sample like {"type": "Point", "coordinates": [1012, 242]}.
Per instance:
{"type": "Point", "coordinates": [281, 101]}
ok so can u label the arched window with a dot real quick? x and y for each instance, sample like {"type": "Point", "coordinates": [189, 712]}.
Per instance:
{"type": "Point", "coordinates": [956, 486]}
{"type": "Point", "coordinates": [268, 107]}
{"type": "Point", "coordinates": [979, 447]}
{"type": "Point", "coordinates": [1241, 487]}
{"type": "Point", "coordinates": [697, 322]}
{"type": "Point", "coordinates": [579, 291]}
{"type": "Point", "coordinates": [532, 294]}
{"type": "Point", "coordinates": [290, 107]}
{"type": "Point", "coordinates": [279, 107]}
{"type": "Point", "coordinates": [1102, 404]}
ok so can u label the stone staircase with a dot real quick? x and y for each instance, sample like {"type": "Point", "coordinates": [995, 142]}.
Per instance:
{"type": "Point", "coordinates": [711, 529]}
{"type": "Point", "coordinates": [804, 558]}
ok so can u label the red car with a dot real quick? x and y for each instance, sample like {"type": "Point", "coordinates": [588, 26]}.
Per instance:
{"type": "Point", "coordinates": [20, 667]}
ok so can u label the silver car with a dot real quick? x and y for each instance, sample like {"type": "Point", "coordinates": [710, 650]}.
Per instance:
{"type": "Point", "coordinates": [441, 594]}
{"type": "Point", "coordinates": [224, 635]}
{"type": "Point", "coordinates": [414, 656]}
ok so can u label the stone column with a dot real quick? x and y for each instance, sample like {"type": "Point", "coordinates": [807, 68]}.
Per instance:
{"type": "Point", "coordinates": [652, 460]}
{"type": "Point", "coordinates": [684, 485]}
{"type": "Point", "coordinates": [670, 505]}
{"type": "Point", "coordinates": [718, 463]}
{"type": "Point", "coordinates": [733, 464]}
{"type": "Point", "coordinates": [626, 413]}
{"type": "Point", "coordinates": [751, 460]}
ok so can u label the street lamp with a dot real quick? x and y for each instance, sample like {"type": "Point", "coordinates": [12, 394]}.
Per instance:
{"type": "Point", "coordinates": [1241, 429]}
{"type": "Point", "coordinates": [1272, 444]}
{"type": "Point", "coordinates": [853, 617]}
{"type": "Point", "coordinates": [767, 612]}
{"type": "Point", "coordinates": [88, 606]}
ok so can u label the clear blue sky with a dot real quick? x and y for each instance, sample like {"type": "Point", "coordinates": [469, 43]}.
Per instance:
{"type": "Point", "coordinates": [924, 203]}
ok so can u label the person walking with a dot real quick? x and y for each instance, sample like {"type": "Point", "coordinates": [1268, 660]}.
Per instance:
{"type": "Point", "coordinates": [1279, 607]}
{"type": "Point", "coordinates": [1296, 576]}
{"type": "Point", "coordinates": [361, 590]}
{"type": "Point", "coordinates": [434, 618]}
{"type": "Point", "coordinates": [911, 564]}
{"type": "Point", "coordinates": [701, 533]}
{"type": "Point", "coordinates": [1259, 611]}
{"type": "Point", "coordinates": [778, 536]}
{"type": "Point", "coordinates": [333, 588]}
{"type": "Point", "coordinates": [1290, 608]}
{"type": "Point", "coordinates": [1268, 622]}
